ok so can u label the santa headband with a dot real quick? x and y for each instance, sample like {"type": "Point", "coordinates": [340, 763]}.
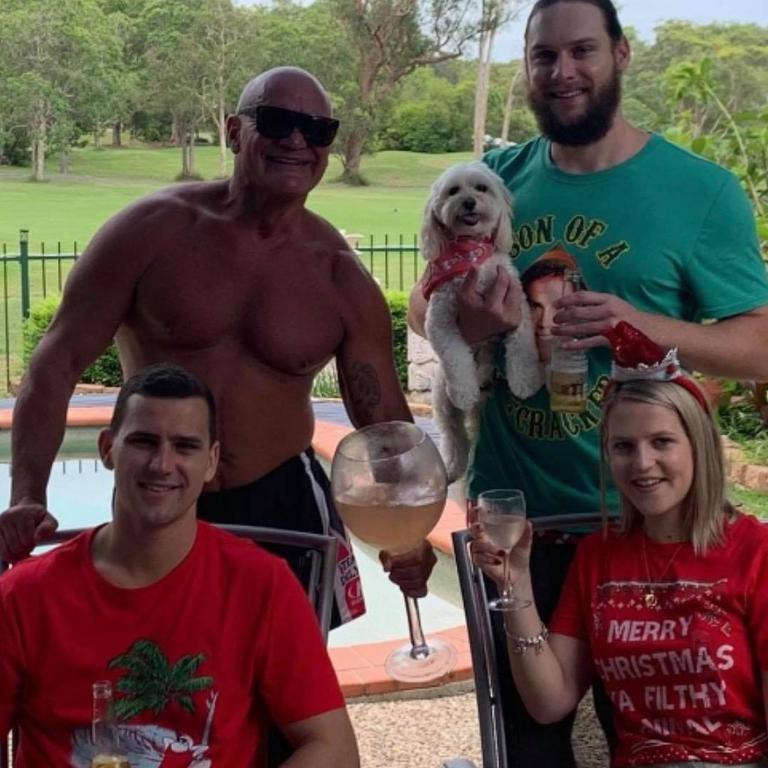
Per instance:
{"type": "Point", "coordinates": [637, 358]}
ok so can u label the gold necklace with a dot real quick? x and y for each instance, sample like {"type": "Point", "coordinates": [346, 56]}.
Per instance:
{"type": "Point", "coordinates": [649, 596]}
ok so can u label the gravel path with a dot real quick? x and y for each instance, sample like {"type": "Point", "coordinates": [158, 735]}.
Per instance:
{"type": "Point", "coordinates": [411, 732]}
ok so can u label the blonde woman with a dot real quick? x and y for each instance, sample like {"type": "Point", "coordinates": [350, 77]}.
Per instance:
{"type": "Point", "coordinates": [669, 606]}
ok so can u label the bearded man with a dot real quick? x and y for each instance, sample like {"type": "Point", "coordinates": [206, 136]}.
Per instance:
{"type": "Point", "coordinates": [663, 238]}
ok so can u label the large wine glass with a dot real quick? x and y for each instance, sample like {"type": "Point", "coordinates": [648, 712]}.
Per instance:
{"type": "Point", "coordinates": [389, 485]}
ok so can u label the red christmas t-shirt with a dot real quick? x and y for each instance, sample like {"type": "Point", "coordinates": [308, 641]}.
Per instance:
{"type": "Point", "coordinates": [199, 661]}
{"type": "Point", "coordinates": [679, 644]}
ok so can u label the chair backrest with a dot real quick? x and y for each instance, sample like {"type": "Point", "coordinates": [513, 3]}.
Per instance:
{"type": "Point", "coordinates": [318, 549]}
{"type": "Point", "coordinates": [490, 710]}
{"type": "Point", "coordinates": [486, 653]}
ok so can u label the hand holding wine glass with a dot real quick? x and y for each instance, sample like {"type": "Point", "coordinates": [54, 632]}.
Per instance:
{"type": "Point", "coordinates": [501, 516]}
{"type": "Point", "coordinates": [389, 485]}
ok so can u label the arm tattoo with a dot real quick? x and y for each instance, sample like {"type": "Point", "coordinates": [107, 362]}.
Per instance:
{"type": "Point", "coordinates": [364, 390]}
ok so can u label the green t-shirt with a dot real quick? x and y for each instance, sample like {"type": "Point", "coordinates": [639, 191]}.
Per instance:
{"type": "Point", "coordinates": [669, 232]}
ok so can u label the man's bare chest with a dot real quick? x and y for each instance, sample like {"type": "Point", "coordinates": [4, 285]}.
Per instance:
{"type": "Point", "coordinates": [283, 316]}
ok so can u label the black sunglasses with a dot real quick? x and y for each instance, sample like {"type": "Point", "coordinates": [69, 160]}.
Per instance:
{"type": "Point", "coordinates": [279, 123]}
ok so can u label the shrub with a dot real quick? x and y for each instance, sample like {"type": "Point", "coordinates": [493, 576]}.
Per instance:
{"type": "Point", "coordinates": [742, 423]}
{"type": "Point", "coordinates": [398, 308]}
{"type": "Point", "coordinates": [105, 370]}
{"type": "Point", "coordinates": [326, 383]}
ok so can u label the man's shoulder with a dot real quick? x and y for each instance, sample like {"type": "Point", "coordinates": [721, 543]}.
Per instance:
{"type": "Point", "coordinates": [239, 553]}
{"type": "Point", "coordinates": [514, 156]}
{"type": "Point", "coordinates": [159, 220]}
{"type": "Point", "coordinates": [175, 199]}
{"type": "Point", "coordinates": [48, 567]}
{"type": "Point", "coordinates": [676, 159]}
{"type": "Point", "coordinates": [321, 232]}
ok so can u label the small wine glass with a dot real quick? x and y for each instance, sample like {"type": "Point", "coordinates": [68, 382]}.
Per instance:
{"type": "Point", "coordinates": [501, 512]}
{"type": "Point", "coordinates": [389, 485]}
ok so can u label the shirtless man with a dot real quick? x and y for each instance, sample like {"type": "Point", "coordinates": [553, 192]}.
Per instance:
{"type": "Point", "coordinates": [238, 282]}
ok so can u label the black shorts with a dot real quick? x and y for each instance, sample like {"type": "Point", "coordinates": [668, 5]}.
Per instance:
{"type": "Point", "coordinates": [295, 496]}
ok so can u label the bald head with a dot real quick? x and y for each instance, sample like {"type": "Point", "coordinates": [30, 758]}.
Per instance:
{"type": "Point", "coordinates": [276, 85]}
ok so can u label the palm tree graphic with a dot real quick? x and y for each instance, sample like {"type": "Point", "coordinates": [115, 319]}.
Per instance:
{"type": "Point", "coordinates": [152, 683]}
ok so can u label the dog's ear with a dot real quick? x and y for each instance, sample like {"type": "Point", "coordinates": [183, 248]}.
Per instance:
{"type": "Point", "coordinates": [433, 232]}
{"type": "Point", "coordinates": [505, 237]}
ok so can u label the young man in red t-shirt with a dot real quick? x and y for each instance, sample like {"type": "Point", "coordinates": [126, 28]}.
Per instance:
{"type": "Point", "coordinates": [205, 638]}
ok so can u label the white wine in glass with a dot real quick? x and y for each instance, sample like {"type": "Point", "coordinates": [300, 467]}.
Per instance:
{"type": "Point", "coordinates": [501, 512]}
{"type": "Point", "coordinates": [389, 485]}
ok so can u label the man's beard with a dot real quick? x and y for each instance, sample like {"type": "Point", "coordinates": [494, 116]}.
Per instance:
{"type": "Point", "coordinates": [588, 128]}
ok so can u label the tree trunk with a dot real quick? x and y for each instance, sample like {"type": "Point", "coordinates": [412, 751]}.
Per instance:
{"type": "Point", "coordinates": [117, 134]}
{"type": "Point", "coordinates": [482, 87]}
{"type": "Point", "coordinates": [222, 139]}
{"type": "Point", "coordinates": [508, 104]}
{"type": "Point", "coordinates": [97, 131]}
{"type": "Point", "coordinates": [38, 159]}
{"type": "Point", "coordinates": [352, 157]}
{"type": "Point", "coordinates": [64, 161]}
{"type": "Point", "coordinates": [187, 156]}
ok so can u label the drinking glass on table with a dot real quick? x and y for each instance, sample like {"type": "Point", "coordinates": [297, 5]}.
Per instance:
{"type": "Point", "coordinates": [389, 485]}
{"type": "Point", "coordinates": [501, 513]}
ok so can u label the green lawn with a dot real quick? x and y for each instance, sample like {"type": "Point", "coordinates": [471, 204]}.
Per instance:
{"type": "Point", "coordinates": [69, 209]}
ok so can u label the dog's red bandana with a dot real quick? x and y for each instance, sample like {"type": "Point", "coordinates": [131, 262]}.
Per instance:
{"type": "Point", "coordinates": [455, 260]}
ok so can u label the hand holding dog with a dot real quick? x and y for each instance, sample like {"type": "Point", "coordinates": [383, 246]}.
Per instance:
{"type": "Point", "coordinates": [585, 314]}
{"type": "Point", "coordinates": [482, 315]}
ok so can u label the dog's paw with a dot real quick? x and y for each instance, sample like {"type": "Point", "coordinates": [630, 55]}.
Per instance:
{"type": "Point", "coordinates": [525, 382]}
{"type": "Point", "coordinates": [465, 395]}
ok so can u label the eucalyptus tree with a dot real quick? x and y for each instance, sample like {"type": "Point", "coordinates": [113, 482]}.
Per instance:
{"type": "Point", "coordinates": [387, 40]}
{"type": "Point", "coordinates": [58, 60]}
{"type": "Point", "coordinates": [171, 77]}
{"type": "Point", "coordinates": [494, 15]}
{"type": "Point", "coordinates": [225, 53]}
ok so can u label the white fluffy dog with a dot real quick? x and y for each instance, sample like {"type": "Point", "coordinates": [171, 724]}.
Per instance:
{"type": "Point", "coordinates": [468, 223]}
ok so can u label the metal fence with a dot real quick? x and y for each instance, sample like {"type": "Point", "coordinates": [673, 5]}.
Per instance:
{"type": "Point", "coordinates": [30, 277]}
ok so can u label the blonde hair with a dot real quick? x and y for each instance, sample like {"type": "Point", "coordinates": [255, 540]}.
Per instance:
{"type": "Point", "coordinates": [706, 505]}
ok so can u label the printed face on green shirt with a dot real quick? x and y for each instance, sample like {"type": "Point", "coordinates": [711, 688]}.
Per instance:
{"type": "Point", "coordinates": [542, 295]}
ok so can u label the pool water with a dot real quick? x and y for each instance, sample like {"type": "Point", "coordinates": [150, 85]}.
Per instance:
{"type": "Point", "coordinates": [79, 494]}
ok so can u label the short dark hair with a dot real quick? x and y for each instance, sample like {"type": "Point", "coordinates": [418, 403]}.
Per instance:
{"type": "Point", "coordinates": [163, 380]}
{"type": "Point", "coordinates": [606, 7]}
{"type": "Point", "coordinates": [542, 268]}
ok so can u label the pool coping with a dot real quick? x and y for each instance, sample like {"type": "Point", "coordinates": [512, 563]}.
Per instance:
{"type": "Point", "coordinates": [359, 668]}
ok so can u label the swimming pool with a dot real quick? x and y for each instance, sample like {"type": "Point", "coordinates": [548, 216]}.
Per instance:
{"type": "Point", "coordinates": [79, 495]}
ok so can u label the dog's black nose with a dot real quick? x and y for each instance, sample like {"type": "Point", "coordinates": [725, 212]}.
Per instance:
{"type": "Point", "coordinates": [469, 203]}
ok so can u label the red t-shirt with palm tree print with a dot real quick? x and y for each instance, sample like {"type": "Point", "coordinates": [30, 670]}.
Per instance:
{"type": "Point", "coordinates": [200, 661]}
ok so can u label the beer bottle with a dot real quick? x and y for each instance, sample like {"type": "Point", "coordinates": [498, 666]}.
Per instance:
{"type": "Point", "coordinates": [104, 733]}
{"type": "Point", "coordinates": [568, 368]}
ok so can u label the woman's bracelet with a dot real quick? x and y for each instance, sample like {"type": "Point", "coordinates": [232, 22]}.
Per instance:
{"type": "Point", "coordinates": [520, 644]}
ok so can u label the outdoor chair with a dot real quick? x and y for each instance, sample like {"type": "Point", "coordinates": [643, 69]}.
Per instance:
{"type": "Point", "coordinates": [317, 550]}
{"type": "Point", "coordinates": [486, 654]}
